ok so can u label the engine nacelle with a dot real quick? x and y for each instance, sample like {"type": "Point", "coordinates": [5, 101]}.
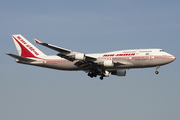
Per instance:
{"type": "Point", "coordinates": [107, 63]}
{"type": "Point", "coordinates": [106, 74]}
{"type": "Point", "coordinates": [119, 72]}
{"type": "Point", "coordinates": [79, 56]}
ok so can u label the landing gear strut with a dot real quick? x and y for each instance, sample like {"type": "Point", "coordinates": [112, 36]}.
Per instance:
{"type": "Point", "coordinates": [103, 74]}
{"type": "Point", "coordinates": [157, 72]}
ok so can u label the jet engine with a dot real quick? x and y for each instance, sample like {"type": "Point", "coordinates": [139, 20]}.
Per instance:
{"type": "Point", "coordinates": [107, 63]}
{"type": "Point", "coordinates": [79, 56]}
{"type": "Point", "coordinates": [106, 74]}
{"type": "Point", "coordinates": [119, 72]}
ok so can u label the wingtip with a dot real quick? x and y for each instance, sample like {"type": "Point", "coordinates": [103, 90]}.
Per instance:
{"type": "Point", "coordinates": [37, 41]}
{"type": "Point", "coordinates": [8, 54]}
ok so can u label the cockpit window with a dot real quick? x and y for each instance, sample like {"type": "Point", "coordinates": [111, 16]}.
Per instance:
{"type": "Point", "coordinates": [161, 50]}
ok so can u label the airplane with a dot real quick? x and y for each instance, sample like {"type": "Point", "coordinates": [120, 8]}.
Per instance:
{"type": "Point", "coordinates": [98, 64]}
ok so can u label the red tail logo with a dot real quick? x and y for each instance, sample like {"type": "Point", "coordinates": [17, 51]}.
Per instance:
{"type": "Point", "coordinates": [26, 49]}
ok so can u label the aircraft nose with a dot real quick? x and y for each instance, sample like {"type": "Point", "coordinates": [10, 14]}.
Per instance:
{"type": "Point", "coordinates": [173, 58]}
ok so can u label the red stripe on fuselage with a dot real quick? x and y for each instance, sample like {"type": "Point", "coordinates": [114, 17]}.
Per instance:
{"type": "Point", "coordinates": [113, 58]}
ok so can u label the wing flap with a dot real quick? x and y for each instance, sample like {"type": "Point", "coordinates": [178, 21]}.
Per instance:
{"type": "Point", "coordinates": [85, 64]}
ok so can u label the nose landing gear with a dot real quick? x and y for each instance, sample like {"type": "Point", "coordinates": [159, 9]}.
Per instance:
{"type": "Point", "coordinates": [157, 72]}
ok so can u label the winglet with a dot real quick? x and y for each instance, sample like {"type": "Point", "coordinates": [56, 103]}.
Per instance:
{"type": "Point", "coordinates": [37, 41]}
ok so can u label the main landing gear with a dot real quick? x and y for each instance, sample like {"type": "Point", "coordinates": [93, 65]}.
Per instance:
{"type": "Point", "coordinates": [94, 74]}
{"type": "Point", "coordinates": [157, 72]}
{"type": "Point", "coordinates": [101, 77]}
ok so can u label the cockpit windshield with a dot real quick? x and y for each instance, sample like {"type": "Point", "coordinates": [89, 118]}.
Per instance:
{"type": "Point", "coordinates": [161, 51]}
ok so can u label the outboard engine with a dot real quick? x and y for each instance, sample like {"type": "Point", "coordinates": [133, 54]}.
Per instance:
{"type": "Point", "coordinates": [119, 72]}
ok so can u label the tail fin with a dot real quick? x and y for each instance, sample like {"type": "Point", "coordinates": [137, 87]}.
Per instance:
{"type": "Point", "coordinates": [25, 48]}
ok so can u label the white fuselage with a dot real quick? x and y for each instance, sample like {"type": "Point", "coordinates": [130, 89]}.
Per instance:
{"type": "Point", "coordinates": [137, 58]}
{"type": "Point", "coordinates": [101, 64]}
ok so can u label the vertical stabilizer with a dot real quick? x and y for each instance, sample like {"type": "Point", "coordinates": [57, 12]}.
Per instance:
{"type": "Point", "coordinates": [25, 48]}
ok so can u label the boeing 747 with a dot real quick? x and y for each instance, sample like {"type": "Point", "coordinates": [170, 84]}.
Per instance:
{"type": "Point", "coordinates": [102, 64]}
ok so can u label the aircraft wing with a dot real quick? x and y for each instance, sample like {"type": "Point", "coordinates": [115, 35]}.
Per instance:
{"type": "Point", "coordinates": [67, 54]}
{"type": "Point", "coordinates": [58, 49]}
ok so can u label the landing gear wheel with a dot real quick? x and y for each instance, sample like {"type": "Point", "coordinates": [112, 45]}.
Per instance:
{"type": "Point", "coordinates": [101, 78]}
{"type": "Point", "coordinates": [157, 72]}
{"type": "Point", "coordinates": [92, 74]}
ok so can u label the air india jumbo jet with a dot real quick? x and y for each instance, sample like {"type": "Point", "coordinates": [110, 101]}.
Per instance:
{"type": "Point", "coordinates": [102, 64]}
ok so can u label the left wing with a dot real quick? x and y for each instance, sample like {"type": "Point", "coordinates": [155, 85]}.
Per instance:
{"type": "Point", "coordinates": [67, 54]}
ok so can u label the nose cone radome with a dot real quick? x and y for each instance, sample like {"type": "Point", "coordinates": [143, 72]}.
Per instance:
{"type": "Point", "coordinates": [172, 58]}
{"type": "Point", "coordinates": [169, 59]}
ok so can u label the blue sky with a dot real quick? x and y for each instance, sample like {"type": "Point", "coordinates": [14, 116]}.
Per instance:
{"type": "Point", "coordinates": [29, 92]}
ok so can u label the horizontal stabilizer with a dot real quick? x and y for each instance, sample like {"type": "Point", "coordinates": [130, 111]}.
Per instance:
{"type": "Point", "coordinates": [20, 58]}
